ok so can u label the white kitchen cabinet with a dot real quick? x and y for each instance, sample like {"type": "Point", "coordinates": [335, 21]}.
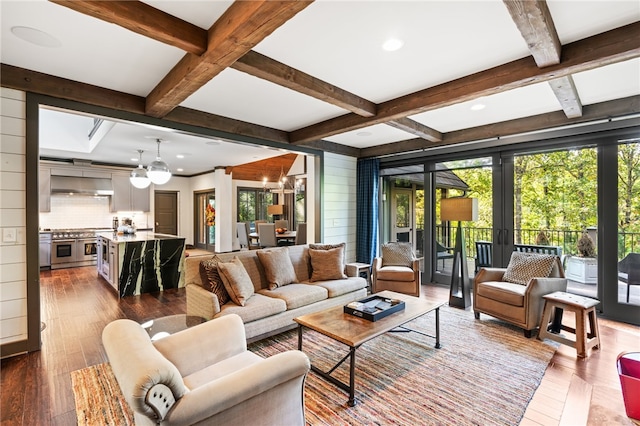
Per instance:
{"type": "Point", "coordinates": [127, 197]}
{"type": "Point", "coordinates": [45, 189]}
{"type": "Point", "coordinates": [66, 171]}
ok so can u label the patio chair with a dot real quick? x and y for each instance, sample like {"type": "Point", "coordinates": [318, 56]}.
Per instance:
{"type": "Point", "coordinates": [629, 271]}
{"type": "Point", "coordinates": [484, 254]}
{"type": "Point", "coordinates": [443, 253]}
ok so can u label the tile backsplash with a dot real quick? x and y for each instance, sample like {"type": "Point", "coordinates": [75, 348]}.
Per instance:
{"type": "Point", "coordinates": [85, 212]}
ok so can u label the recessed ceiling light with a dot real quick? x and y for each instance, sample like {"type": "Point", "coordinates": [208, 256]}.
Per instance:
{"type": "Point", "coordinates": [392, 44]}
{"type": "Point", "coordinates": [37, 37]}
{"type": "Point", "coordinates": [180, 156]}
{"type": "Point", "coordinates": [180, 170]}
{"type": "Point", "coordinates": [364, 134]}
{"type": "Point", "coordinates": [135, 160]}
{"type": "Point", "coordinates": [477, 107]}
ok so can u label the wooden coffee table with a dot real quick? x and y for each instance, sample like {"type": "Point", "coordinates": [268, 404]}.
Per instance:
{"type": "Point", "coordinates": [354, 331]}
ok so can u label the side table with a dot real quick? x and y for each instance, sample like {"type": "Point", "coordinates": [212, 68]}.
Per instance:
{"type": "Point", "coordinates": [164, 326]}
{"type": "Point", "coordinates": [585, 312]}
{"type": "Point", "coordinates": [356, 269]}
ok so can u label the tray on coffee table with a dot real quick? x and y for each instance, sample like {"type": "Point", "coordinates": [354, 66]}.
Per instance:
{"type": "Point", "coordinates": [374, 307]}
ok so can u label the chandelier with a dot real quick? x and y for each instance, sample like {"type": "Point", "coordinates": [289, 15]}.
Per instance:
{"type": "Point", "coordinates": [284, 185]}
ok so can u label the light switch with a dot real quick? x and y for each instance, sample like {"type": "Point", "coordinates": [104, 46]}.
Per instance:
{"type": "Point", "coordinates": [9, 235]}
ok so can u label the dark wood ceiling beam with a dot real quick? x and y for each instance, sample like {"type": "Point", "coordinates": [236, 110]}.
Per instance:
{"type": "Point", "coordinates": [44, 84]}
{"type": "Point", "coordinates": [565, 90]}
{"type": "Point", "coordinates": [600, 111]}
{"type": "Point", "coordinates": [243, 25]}
{"type": "Point", "coordinates": [534, 21]}
{"type": "Point", "coordinates": [603, 49]}
{"type": "Point", "coordinates": [263, 67]}
{"type": "Point", "coordinates": [228, 125]}
{"type": "Point", "coordinates": [418, 129]}
{"type": "Point", "coordinates": [146, 20]}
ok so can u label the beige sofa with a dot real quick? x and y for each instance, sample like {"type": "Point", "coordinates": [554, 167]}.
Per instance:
{"type": "Point", "coordinates": [268, 312]}
{"type": "Point", "coordinates": [205, 375]}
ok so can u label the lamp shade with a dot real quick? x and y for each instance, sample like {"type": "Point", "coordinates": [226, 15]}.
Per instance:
{"type": "Point", "coordinates": [275, 209]}
{"type": "Point", "coordinates": [460, 209]}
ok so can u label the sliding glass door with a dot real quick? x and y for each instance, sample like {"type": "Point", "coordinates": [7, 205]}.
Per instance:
{"type": "Point", "coordinates": [561, 197]}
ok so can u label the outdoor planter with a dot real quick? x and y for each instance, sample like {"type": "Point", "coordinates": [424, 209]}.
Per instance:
{"type": "Point", "coordinates": [582, 269]}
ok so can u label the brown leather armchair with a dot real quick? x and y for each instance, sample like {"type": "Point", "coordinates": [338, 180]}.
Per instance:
{"type": "Point", "coordinates": [397, 270]}
{"type": "Point", "coordinates": [518, 304]}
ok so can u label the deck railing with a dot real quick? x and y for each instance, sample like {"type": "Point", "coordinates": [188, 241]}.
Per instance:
{"type": "Point", "coordinates": [628, 242]}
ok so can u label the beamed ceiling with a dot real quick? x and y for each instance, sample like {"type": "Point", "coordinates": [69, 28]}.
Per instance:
{"type": "Point", "coordinates": [312, 74]}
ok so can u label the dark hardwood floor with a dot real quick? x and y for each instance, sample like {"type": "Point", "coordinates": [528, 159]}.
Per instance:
{"type": "Point", "coordinates": [36, 388]}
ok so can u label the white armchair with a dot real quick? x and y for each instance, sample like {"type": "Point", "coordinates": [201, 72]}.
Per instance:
{"type": "Point", "coordinates": [205, 375]}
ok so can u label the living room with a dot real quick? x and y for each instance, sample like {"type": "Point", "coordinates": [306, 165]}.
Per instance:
{"type": "Point", "coordinates": [289, 123]}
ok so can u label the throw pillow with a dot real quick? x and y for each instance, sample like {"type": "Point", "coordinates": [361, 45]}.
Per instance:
{"type": "Point", "coordinates": [524, 266]}
{"type": "Point", "coordinates": [209, 269]}
{"type": "Point", "coordinates": [397, 254]}
{"type": "Point", "coordinates": [236, 280]}
{"type": "Point", "coordinates": [278, 268]}
{"type": "Point", "coordinates": [327, 264]}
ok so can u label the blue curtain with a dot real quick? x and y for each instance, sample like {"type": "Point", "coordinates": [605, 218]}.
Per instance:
{"type": "Point", "coordinates": [368, 175]}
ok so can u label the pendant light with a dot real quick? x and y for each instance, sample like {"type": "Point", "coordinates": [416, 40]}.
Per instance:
{"type": "Point", "coordinates": [138, 176]}
{"type": "Point", "coordinates": [158, 171]}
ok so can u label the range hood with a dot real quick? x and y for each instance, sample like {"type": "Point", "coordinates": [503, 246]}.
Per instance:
{"type": "Point", "coordinates": [81, 185]}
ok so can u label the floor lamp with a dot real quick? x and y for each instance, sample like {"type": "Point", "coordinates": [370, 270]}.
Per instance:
{"type": "Point", "coordinates": [459, 209]}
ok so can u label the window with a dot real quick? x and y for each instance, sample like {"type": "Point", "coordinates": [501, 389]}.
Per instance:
{"type": "Point", "coordinates": [252, 205]}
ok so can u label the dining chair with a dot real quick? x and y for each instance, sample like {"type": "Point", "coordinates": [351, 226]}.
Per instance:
{"type": "Point", "coordinates": [301, 234]}
{"type": "Point", "coordinates": [282, 223]}
{"type": "Point", "coordinates": [267, 235]}
{"type": "Point", "coordinates": [243, 236]}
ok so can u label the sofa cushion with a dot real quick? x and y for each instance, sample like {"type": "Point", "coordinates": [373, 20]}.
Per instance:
{"type": "Point", "coordinates": [503, 292]}
{"type": "Point", "coordinates": [397, 254]}
{"type": "Point", "coordinates": [277, 267]}
{"type": "Point", "coordinates": [256, 307]}
{"type": "Point", "coordinates": [297, 295]}
{"type": "Point", "coordinates": [524, 266]}
{"type": "Point", "coordinates": [236, 280]}
{"type": "Point", "coordinates": [327, 264]}
{"type": "Point", "coordinates": [339, 287]}
{"type": "Point", "coordinates": [210, 272]}
{"type": "Point", "coordinates": [395, 273]}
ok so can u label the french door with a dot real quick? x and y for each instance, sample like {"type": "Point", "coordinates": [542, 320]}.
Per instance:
{"type": "Point", "coordinates": [562, 195]}
{"type": "Point", "coordinates": [204, 220]}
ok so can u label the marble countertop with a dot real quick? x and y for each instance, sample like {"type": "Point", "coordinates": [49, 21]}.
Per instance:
{"type": "Point", "coordinates": [138, 236]}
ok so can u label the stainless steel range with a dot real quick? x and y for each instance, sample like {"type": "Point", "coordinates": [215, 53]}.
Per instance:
{"type": "Point", "coordinates": [73, 247]}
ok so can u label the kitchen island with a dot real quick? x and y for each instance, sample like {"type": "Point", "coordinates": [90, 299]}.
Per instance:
{"type": "Point", "coordinates": [144, 262]}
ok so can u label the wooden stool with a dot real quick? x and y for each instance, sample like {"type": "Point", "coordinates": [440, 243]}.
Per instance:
{"type": "Point", "coordinates": [585, 310]}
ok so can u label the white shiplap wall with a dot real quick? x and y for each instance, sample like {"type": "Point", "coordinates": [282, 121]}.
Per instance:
{"type": "Point", "coordinates": [339, 202]}
{"type": "Point", "coordinates": [13, 260]}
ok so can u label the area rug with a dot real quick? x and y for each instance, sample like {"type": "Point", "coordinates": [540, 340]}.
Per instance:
{"type": "Point", "coordinates": [485, 374]}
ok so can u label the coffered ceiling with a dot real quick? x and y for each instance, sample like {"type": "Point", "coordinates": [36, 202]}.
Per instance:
{"type": "Point", "coordinates": [315, 74]}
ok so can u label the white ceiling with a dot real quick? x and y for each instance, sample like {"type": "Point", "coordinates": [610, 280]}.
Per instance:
{"type": "Point", "coordinates": [338, 42]}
